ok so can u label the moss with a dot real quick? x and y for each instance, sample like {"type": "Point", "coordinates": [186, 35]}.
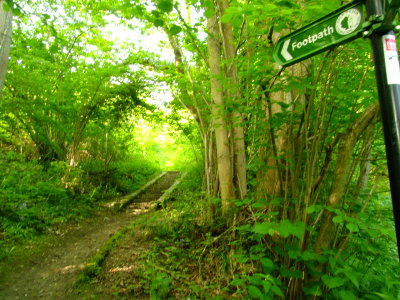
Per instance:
{"type": "Point", "coordinates": [94, 265]}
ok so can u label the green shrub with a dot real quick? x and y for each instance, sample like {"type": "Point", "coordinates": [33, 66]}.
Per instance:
{"type": "Point", "coordinates": [33, 198]}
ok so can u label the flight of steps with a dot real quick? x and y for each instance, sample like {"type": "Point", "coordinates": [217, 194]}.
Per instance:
{"type": "Point", "coordinates": [144, 200]}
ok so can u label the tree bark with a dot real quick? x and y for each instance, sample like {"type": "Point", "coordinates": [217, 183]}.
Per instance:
{"type": "Point", "coordinates": [5, 41]}
{"type": "Point", "coordinates": [366, 119]}
{"type": "Point", "coordinates": [234, 95]}
{"type": "Point", "coordinates": [218, 112]}
{"type": "Point", "coordinates": [200, 115]}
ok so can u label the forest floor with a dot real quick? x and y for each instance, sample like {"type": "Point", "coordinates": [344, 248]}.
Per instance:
{"type": "Point", "coordinates": [51, 271]}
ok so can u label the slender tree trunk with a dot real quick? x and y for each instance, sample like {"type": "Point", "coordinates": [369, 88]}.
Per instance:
{"type": "Point", "coordinates": [5, 41]}
{"type": "Point", "coordinates": [368, 118]}
{"type": "Point", "coordinates": [200, 115]}
{"type": "Point", "coordinates": [218, 112]}
{"type": "Point", "coordinates": [234, 95]}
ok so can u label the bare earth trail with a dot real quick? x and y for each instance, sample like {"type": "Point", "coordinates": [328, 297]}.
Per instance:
{"type": "Point", "coordinates": [51, 274]}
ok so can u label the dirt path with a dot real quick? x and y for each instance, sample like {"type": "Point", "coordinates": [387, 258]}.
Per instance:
{"type": "Point", "coordinates": [51, 274]}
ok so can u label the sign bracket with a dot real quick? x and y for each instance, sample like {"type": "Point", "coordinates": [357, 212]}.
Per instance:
{"type": "Point", "coordinates": [382, 22]}
{"type": "Point", "coordinates": [343, 26]}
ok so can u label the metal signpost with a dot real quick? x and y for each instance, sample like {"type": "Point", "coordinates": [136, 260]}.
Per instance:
{"type": "Point", "coordinates": [339, 27]}
{"type": "Point", "coordinates": [342, 26]}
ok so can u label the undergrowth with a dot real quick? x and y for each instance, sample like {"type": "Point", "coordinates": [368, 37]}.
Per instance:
{"type": "Point", "coordinates": [258, 257]}
{"type": "Point", "coordinates": [37, 200]}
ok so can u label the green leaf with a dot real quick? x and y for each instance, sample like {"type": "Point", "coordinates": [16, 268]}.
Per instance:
{"type": "Point", "coordinates": [53, 49]}
{"type": "Point", "coordinates": [6, 7]}
{"type": "Point", "coordinates": [332, 282]}
{"type": "Point", "coordinates": [165, 6]}
{"type": "Point", "coordinates": [299, 229]}
{"type": "Point", "coordinates": [294, 253]}
{"type": "Point", "coordinates": [266, 286]}
{"type": "Point", "coordinates": [174, 30]}
{"type": "Point", "coordinates": [267, 264]}
{"type": "Point", "coordinates": [208, 13]}
{"type": "Point", "coordinates": [231, 13]}
{"type": "Point", "coordinates": [347, 295]}
{"type": "Point", "coordinates": [313, 208]}
{"type": "Point", "coordinates": [384, 296]}
{"type": "Point", "coordinates": [257, 279]}
{"type": "Point", "coordinates": [237, 281]}
{"type": "Point", "coordinates": [290, 273]}
{"type": "Point", "coordinates": [308, 255]}
{"type": "Point", "coordinates": [353, 277]}
{"type": "Point", "coordinates": [277, 291]}
{"type": "Point", "coordinates": [262, 228]}
{"type": "Point", "coordinates": [352, 227]}
{"type": "Point", "coordinates": [337, 219]}
{"type": "Point", "coordinates": [288, 4]}
{"type": "Point", "coordinates": [158, 22]}
{"type": "Point", "coordinates": [254, 292]}
{"type": "Point", "coordinates": [314, 290]}
{"type": "Point", "coordinates": [286, 228]}
{"type": "Point", "coordinates": [227, 18]}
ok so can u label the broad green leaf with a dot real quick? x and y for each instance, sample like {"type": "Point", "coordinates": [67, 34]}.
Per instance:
{"type": "Point", "coordinates": [347, 295]}
{"type": "Point", "coordinates": [353, 277]}
{"type": "Point", "coordinates": [289, 4]}
{"type": "Point", "coordinates": [53, 49]}
{"type": "Point", "coordinates": [158, 22]}
{"type": "Point", "coordinates": [257, 279]}
{"type": "Point", "coordinates": [267, 286]}
{"type": "Point", "coordinates": [254, 292]}
{"type": "Point", "coordinates": [267, 264]}
{"type": "Point", "coordinates": [231, 13]}
{"type": "Point", "coordinates": [277, 291]}
{"type": "Point", "coordinates": [208, 4]}
{"type": "Point", "coordinates": [6, 7]}
{"type": "Point", "coordinates": [337, 219]}
{"type": "Point", "coordinates": [286, 228]}
{"type": "Point", "coordinates": [314, 290]}
{"type": "Point", "coordinates": [352, 227]}
{"type": "Point", "coordinates": [208, 13]}
{"type": "Point", "coordinates": [226, 18]}
{"type": "Point", "coordinates": [384, 296]}
{"type": "Point", "coordinates": [290, 273]}
{"type": "Point", "coordinates": [262, 228]}
{"type": "Point", "coordinates": [332, 282]}
{"type": "Point", "coordinates": [174, 30]}
{"type": "Point", "coordinates": [313, 208]}
{"type": "Point", "coordinates": [308, 255]}
{"type": "Point", "coordinates": [294, 253]}
{"type": "Point", "coordinates": [165, 5]}
{"type": "Point", "coordinates": [237, 281]}
{"type": "Point", "coordinates": [299, 229]}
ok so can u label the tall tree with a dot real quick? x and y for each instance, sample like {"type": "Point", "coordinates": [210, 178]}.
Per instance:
{"type": "Point", "coordinates": [5, 39]}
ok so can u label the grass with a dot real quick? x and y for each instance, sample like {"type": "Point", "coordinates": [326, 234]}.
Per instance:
{"type": "Point", "coordinates": [94, 265]}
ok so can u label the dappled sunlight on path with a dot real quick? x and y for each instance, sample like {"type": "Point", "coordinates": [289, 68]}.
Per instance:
{"type": "Point", "coordinates": [51, 274]}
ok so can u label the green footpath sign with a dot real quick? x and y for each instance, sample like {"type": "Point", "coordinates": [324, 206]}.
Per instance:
{"type": "Point", "coordinates": [339, 27]}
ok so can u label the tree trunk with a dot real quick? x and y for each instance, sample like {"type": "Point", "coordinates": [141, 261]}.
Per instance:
{"type": "Point", "coordinates": [218, 112]}
{"type": "Point", "coordinates": [368, 118]}
{"type": "Point", "coordinates": [234, 95]}
{"type": "Point", "coordinates": [5, 41]}
{"type": "Point", "coordinates": [191, 102]}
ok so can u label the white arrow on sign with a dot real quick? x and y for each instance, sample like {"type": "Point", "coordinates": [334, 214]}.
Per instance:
{"type": "Point", "coordinates": [286, 55]}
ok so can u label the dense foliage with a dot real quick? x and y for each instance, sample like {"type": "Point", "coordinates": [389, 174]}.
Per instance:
{"type": "Point", "coordinates": [288, 196]}
{"type": "Point", "coordinates": [75, 127]}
